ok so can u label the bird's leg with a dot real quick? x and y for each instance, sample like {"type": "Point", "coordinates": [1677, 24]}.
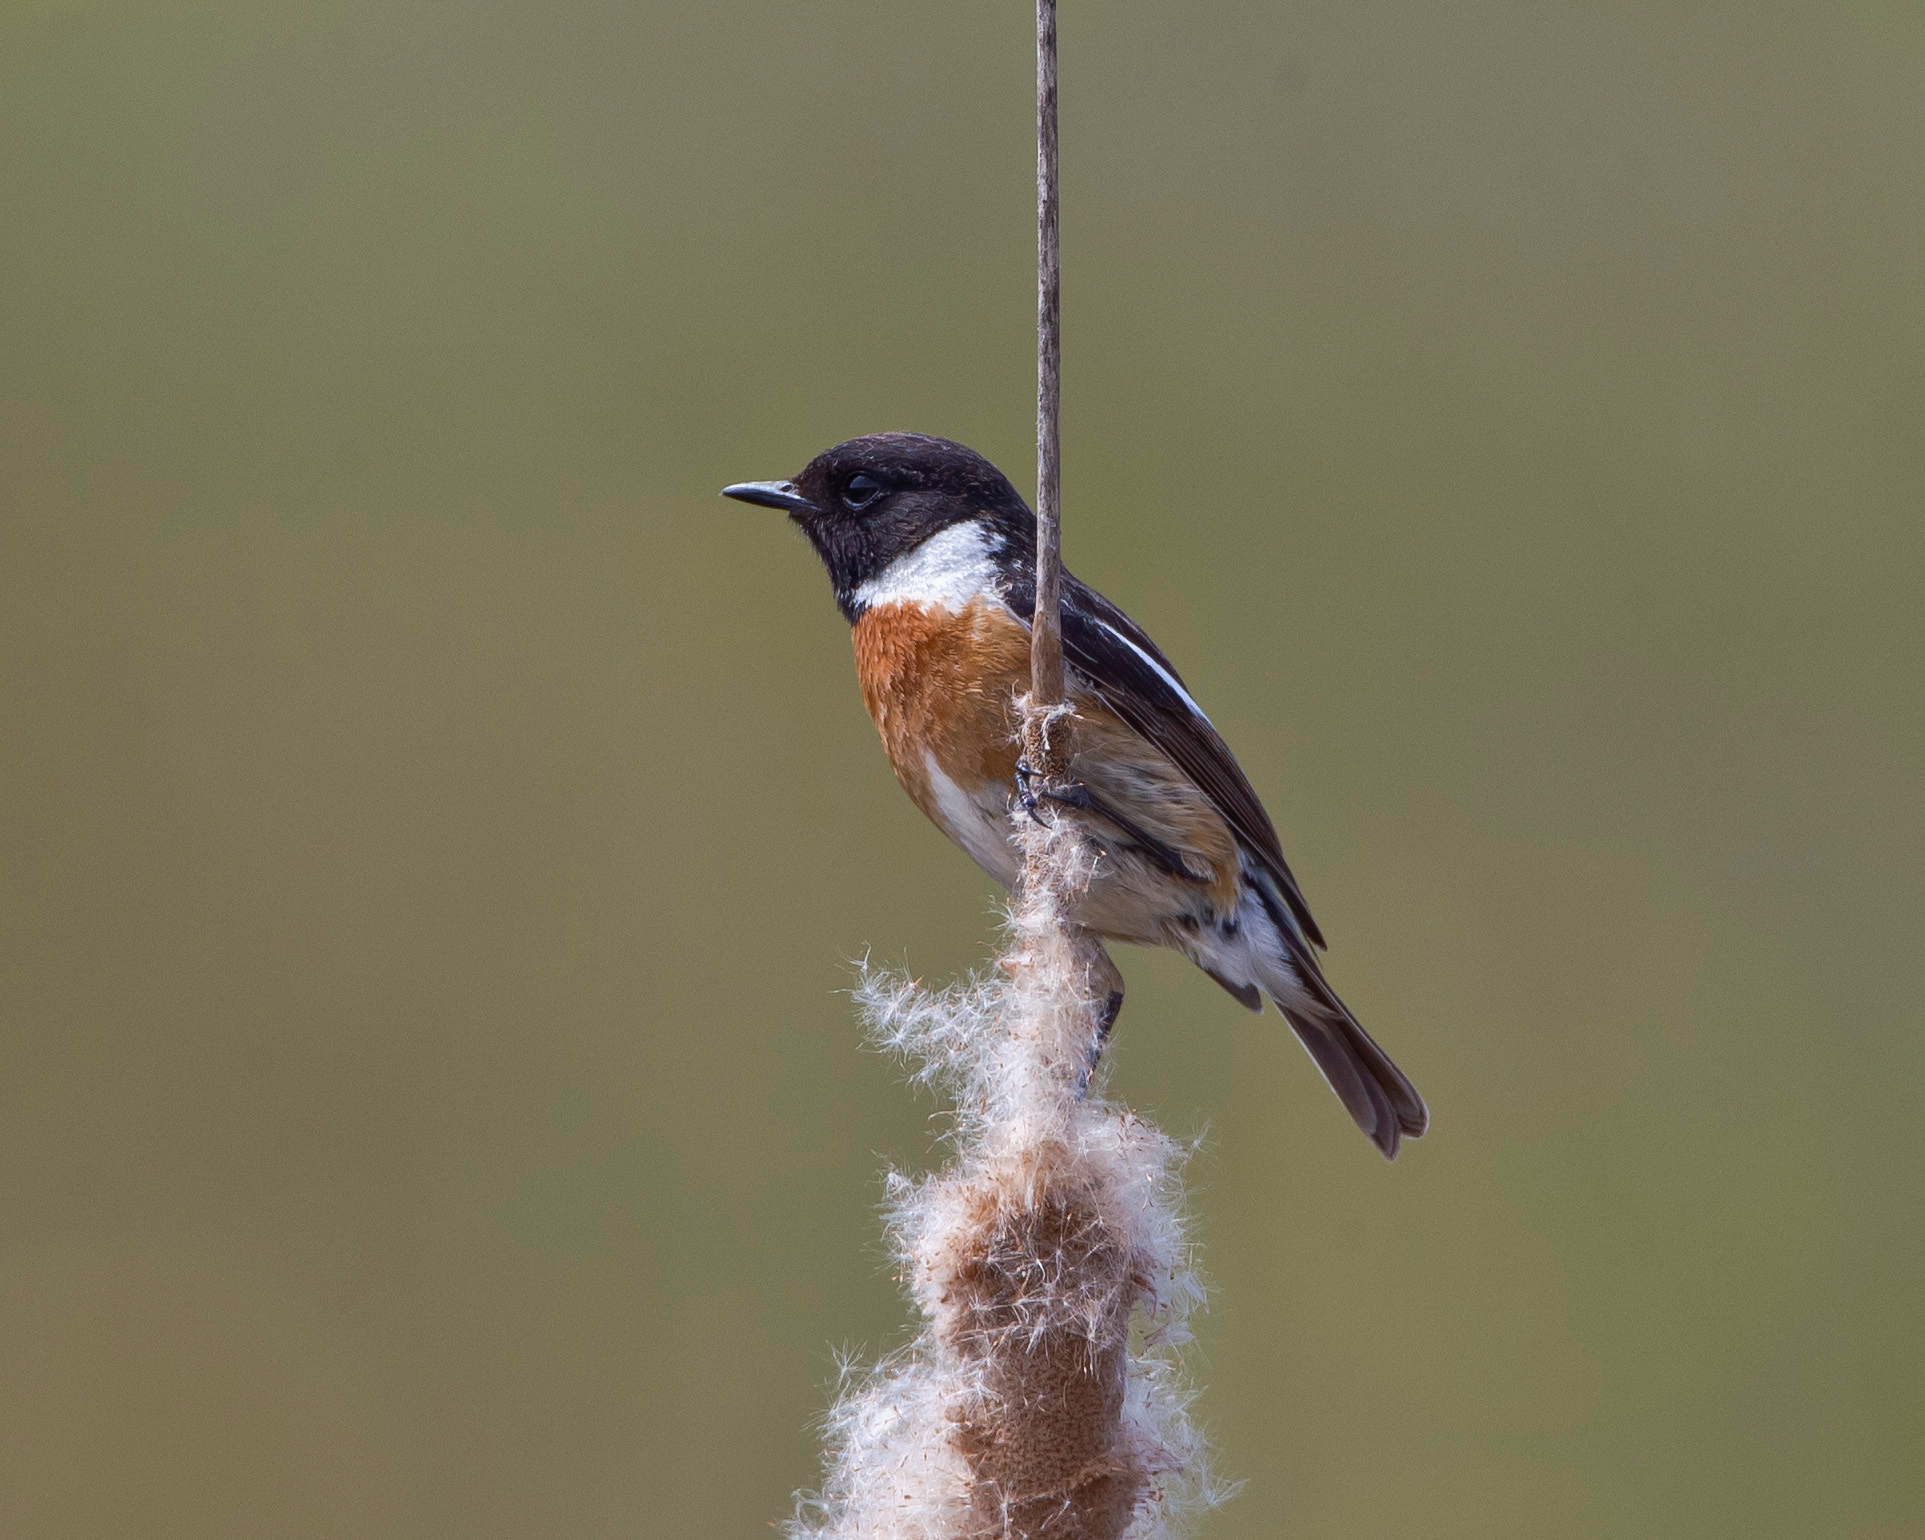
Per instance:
{"type": "Point", "coordinates": [1069, 793]}
{"type": "Point", "coordinates": [1103, 982]}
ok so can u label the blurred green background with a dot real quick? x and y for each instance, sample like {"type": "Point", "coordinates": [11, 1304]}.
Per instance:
{"type": "Point", "coordinates": [437, 828]}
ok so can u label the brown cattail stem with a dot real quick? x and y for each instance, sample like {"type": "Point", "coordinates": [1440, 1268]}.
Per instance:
{"type": "Point", "coordinates": [1039, 1294]}
{"type": "Point", "coordinates": [1021, 1412]}
{"type": "Point", "coordinates": [1046, 630]}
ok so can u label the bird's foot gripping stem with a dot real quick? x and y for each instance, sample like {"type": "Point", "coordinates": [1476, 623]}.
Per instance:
{"type": "Point", "coordinates": [1074, 794]}
{"type": "Point", "coordinates": [1033, 789]}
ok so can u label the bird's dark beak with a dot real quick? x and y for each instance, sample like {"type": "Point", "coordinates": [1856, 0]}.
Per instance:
{"type": "Point", "coordinates": [771, 494]}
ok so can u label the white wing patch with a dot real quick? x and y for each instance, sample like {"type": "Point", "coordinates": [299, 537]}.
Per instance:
{"type": "Point", "coordinates": [1161, 672]}
{"type": "Point", "coordinates": [946, 571]}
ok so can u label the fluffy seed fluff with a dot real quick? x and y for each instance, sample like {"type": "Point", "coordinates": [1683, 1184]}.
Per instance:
{"type": "Point", "coordinates": [1043, 1395]}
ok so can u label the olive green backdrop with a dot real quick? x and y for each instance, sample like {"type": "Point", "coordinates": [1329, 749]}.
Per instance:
{"type": "Point", "coordinates": [437, 828]}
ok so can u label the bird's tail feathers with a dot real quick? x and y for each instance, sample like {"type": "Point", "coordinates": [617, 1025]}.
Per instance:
{"type": "Point", "coordinates": [1373, 1090]}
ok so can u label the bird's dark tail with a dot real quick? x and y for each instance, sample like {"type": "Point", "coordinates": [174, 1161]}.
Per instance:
{"type": "Point", "coordinates": [1374, 1091]}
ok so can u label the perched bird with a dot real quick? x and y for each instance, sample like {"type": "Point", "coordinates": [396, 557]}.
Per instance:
{"type": "Point", "coordinates": [933, 554]}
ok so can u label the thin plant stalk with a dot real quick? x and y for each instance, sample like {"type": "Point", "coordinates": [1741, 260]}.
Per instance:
{"type": "Point", "coordinates": [1042, 1398]}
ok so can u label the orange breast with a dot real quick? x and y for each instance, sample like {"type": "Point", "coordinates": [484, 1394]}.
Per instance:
{"type": "Point", "coordinates": [943, 684]}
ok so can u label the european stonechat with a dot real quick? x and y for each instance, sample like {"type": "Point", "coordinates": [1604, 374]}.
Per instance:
{"type": "Point", "coordinates": [933, 555]}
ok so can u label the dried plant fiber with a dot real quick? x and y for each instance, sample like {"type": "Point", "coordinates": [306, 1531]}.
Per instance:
{"type": "Point", "coordinates": [1042, 1398]}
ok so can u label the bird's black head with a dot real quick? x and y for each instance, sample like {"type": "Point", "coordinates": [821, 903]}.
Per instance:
{"type": "Point", "coordinates": [864, 503]}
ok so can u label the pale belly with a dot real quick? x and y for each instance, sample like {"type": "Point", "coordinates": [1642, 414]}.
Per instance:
{"type": "Point", "coordinates": [979, 822]}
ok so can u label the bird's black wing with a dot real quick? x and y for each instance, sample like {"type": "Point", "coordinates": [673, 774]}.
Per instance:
{"type": "Point", "coordinates": [1132, 677]}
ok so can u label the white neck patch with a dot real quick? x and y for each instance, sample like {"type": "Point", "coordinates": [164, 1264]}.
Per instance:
{"type": "Point", "coordinates": [945, 572]}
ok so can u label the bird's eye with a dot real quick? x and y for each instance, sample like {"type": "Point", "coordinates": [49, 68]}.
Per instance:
{"type": "Point", "coordinates": [861, 491]}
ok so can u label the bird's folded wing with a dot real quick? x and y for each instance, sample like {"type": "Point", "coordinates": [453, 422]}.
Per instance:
{"type": "Point", "coordinates": [1135, 680]}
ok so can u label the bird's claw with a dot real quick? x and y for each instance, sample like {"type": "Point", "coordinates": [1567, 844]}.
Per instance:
{"type": "Point", "coordinates": [1031, 803]}
{"type": "Point", "coordinates": [1070, 793]}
